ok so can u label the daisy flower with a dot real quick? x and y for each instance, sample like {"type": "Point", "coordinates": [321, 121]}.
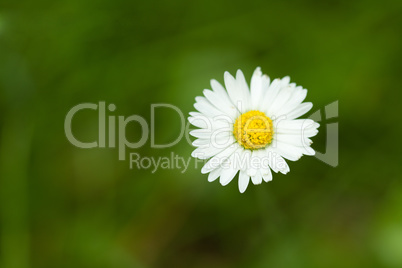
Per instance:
{"type": "Point", "coordinates": [251, 131]}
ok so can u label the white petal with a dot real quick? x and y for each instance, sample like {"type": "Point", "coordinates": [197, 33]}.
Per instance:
{"type": "Point", "coordinates": [285, 81]}
{"type": "Point", "coordinates": [218, 88]}
{"type": "Point", "coordinates": [231, 88]}
{"type": "Point", "coordinates": [201, 142]}
{"type": "Point", "coordinates": [270, 95]}
{"type": "Point", "coordinates": [204, 106]}
{"type": "Point", "coordinates": [220, 141]}
{"type": "Point", "coordinates": [281, 99]}
{"type": "Point", "coordinates": [218, 159]}
{"type": "Point", "coordinates": [303, 127]}
{"type": "Point", "coordinates": [306, 133]}
{"type": "Point", "coordinates": [227, 175]}
{"type": "Point", "coordinates": [265, 84]}
{"type": "Point", "coordinates": [293, 139]}
{"type": "Point", "coordinates": [235, 93]}
{"type": "Point", "coordinates": [205, 153]}
{"type": "Point", "coordinates": [222, 103]}
{"type": "Point", "coordinates": [310, 132]}
{"type": "Point", "coordinates": [201, 133]}
{"type": "Point", "coordinates": [299, 142]}
{"type": "Point", "coordinates": [297, 125]}
{"type": "Point", "coordinates": [251, 172]}
{"type": "Point", "coordinates": [200, 121]}
{"type": "Point", "coordinates": [243, 159]}
{"type": "Point", "coordinates": [211, 123]}
{"type": "Point", "coordinates": [300, 110]}
{"type": "Point", "coordinates": [257, 178]}
{"type": "Point", "coordinates": [243, 181]}
{"type": "Point", "coordinates": [256, 90]}
{"type": "Point", "coordinates": [276, 161]}
{"type": "Point", "coordinates": [252, 169]}
{"type": "Point", "coordinates": [282, 165]}
{"type": "Point", "coordinates": [255, 162]}
{"type": "Point", "coordinates": [194, 114]}
{"type": "Point", "coordinates": [308, 150]}
{"type": "Point", "coordinates": [214, 174]}
{"type": "Point", "coordinates": [221, 91]}
{"type": "Point", "coordinates": [295, 100]}
{"type": "Point", "coordinates": [267, 176]}
{"type": "Point", "coordinates": [210, 134]}
{"type": "Point", "coordinates": [243, 87]}
{"type": "Point", "coordinates": [259, 85]}
{"type": "Point", "coordinates": [287, 151]}
{"type": "Point", "coordinates": [212, 142]}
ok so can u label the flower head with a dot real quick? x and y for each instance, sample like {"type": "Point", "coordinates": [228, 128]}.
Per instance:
{"type": "Point", "coordinates": [251, 131]}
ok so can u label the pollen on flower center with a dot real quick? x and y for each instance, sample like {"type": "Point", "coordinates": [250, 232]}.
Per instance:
{"type": "Point", "coordinates": [253, 130]}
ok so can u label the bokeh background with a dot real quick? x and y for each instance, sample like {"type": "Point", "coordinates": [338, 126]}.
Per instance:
{"type": "Point", "coordinates": [62, 206]}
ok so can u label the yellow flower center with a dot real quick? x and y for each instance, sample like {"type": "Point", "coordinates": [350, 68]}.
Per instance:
{"type": "Point", "coordinates": [253, 130]}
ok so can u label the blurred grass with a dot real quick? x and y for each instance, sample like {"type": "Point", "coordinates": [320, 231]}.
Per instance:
{"type": "Point", "coordinates": [67, 207]}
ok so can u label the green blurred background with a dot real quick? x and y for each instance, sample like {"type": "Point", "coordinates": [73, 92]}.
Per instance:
{"type": "Point", "coordinates": [62, 206]}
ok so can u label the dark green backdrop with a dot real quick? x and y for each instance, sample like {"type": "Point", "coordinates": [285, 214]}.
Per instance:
{"type": "Point", "coordinates": [63, 206]}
